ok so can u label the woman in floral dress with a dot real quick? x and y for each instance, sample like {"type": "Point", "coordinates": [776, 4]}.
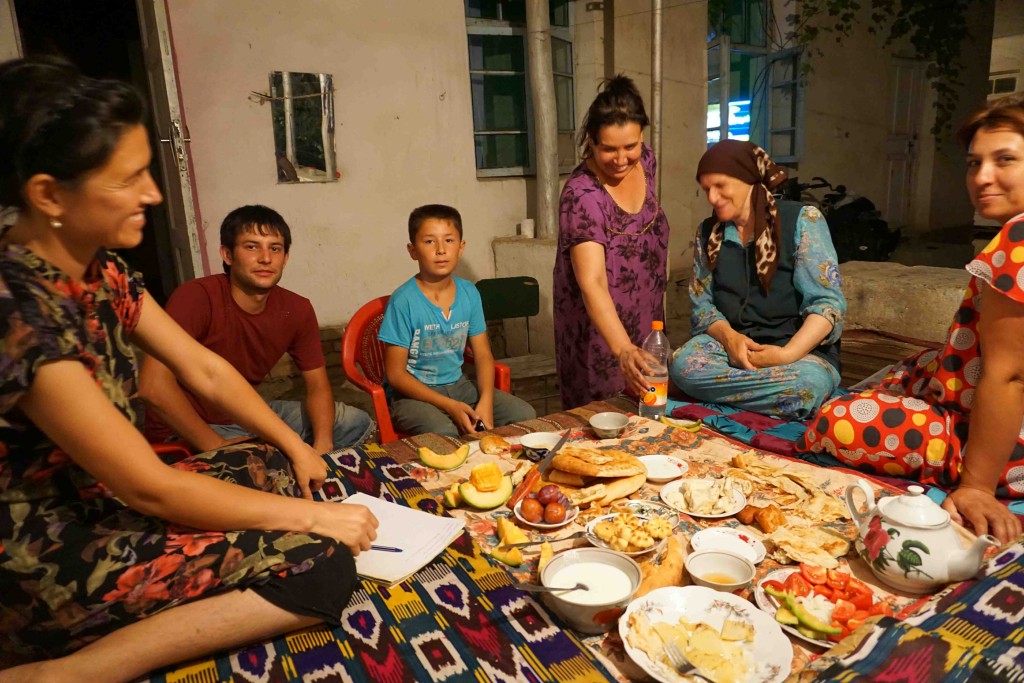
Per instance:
{"type": "Point", "coordinates": [944, 417]}
{"type": "Point", "coordinates": [610, 268]}
{"type": "Point", "coordinates": [113, 563]}
{"type": "Point", "coordinates": [767, 304]}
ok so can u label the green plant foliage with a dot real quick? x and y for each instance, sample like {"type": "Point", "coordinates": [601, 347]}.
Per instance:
{"type": "Point", "coordinates": [935, 28]}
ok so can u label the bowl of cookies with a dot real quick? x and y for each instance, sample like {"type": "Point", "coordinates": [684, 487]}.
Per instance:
{"type": "Point", "coordinates": [628, 533]}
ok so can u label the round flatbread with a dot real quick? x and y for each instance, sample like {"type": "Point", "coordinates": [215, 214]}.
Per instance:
{"type": "Point", "coordinates": [591, 462]}
{"type": "Point", "coordinates": [492, 444]}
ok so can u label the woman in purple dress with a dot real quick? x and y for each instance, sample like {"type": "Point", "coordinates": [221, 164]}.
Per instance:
{"type": "Point", "coordinates": [610, 269]}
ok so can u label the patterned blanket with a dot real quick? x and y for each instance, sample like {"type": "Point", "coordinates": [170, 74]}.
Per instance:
{"type": "Point", "coordinates": [754, 429]}
{"type": "Point", "coordinates": [970, 632]}
{"type": "Point", "coordinates": [458, 619]}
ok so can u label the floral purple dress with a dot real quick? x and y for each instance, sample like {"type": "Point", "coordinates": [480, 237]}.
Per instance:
{"type": "Point", "coordinates": [636, 253]}
{"type": "Point", "coordinates": [75, 562]}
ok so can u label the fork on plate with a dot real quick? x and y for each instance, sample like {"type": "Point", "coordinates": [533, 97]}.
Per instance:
{"type": "Point", "coordinates": [679, 661]}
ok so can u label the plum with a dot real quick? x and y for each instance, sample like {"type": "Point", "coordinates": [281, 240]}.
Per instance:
{"type": "Point", "coordinates": [549, 494]}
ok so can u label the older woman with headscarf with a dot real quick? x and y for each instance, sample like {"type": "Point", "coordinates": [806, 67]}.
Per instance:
{"type": "Point", "coordinates": [767, 304]}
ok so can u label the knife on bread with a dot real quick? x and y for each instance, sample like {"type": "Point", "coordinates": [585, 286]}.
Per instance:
{"type": "Point", "coordinates": [535, 473]}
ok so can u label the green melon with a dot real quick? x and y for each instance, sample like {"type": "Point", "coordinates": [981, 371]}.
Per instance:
{"type": "Point", "coordinates": [445, 461]}
{"type": "Point", "coordinates": [486, 500]}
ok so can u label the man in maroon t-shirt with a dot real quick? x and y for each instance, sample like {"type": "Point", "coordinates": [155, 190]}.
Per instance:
{"type": "Point", "coordinates": [248, 320]}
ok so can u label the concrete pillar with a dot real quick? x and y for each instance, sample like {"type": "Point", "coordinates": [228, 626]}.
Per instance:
{"type": "Point", "coordinates": [542, 91]}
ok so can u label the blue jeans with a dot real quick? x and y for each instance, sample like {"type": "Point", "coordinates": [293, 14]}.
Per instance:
{"type": "Point", "coordinates": [351, 425]}
{"type": "Point", "coordinates": [418, 417]}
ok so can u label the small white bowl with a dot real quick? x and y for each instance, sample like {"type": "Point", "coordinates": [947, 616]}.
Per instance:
{"type": "Point", "coordinates": [662, 468]}
{"type": "Point", "coordinates": [538, 444]}
{"type": "Point", "coordinates": [720, 570]}
{"type": "Point", "coordinates": [593, 616]}
{"type": "Point", "coordinates": [730, 540]}
{"type": "Point", "coordinates": [608, 425]}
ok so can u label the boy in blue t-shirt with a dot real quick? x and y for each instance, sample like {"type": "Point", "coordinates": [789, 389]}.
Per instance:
{"type": "Point", "coordinates": [426, 327]}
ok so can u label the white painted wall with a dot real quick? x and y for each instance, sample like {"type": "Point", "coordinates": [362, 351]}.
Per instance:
{"type": "Point", "coordinates": [404, 135]}
{"type": "Point", "coordinates": [9, 40]}
{"type": "Point", "coordinates": [848, 107]}
{"type": "Point", "coordinates": [1008, 55]}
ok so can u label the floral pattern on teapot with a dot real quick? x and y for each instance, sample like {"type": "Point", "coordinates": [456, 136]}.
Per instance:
{"type": "Point", "coordinates": [908, 558]}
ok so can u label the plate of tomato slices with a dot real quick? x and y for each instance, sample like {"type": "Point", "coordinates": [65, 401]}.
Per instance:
{"type": "Point", "coordinates": [848, 601]}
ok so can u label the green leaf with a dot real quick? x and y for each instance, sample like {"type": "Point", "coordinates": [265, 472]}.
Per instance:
{"type": "Point", "coordinates": [913, 543]}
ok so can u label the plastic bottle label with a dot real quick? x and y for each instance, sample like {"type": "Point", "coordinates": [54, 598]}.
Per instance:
{"type": "Point", "coordinates": [657, 394]}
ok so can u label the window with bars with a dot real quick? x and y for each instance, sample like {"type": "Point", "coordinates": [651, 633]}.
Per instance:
{"type": "Point", "coordinates": [754, 90]}
{"type": "Point", "coordinates": [498, 74]}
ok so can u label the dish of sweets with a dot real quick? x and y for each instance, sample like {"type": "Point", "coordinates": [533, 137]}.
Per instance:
{"type": "Point", "coordinates": [721, 634]}
{"type": "Point", "coordinates": [628, 533]}
{"type": "Point", "coordinates": [820, 606]}
{"type": "Point", "coordinates": [709, 498]}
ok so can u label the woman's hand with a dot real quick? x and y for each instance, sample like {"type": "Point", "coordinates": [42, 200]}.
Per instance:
{"type": "Point", "coordinates": [738, 347]}
{"type": "Point", "coordinates": [353, 525]}
{"type": "Point", "coordinates": [635, 363]}
{"type": "Point", "coordinates": [309, 469]}
{"type": "Point", "coordinates": [769, 356]}
{"type": "Point", "coordinates": [983, 512]}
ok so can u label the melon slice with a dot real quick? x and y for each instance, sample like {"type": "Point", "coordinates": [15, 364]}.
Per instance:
{"type": "Point", "coordinates": [547, 554]}
{"type": "Point", "coordinates": [512, 558]}
{"type": "Point", "coordinates": [444, 461]}
{"type": "Point", "coordinates": [452, 499]}
{"type": "Point", "coordinates": [486, 500]}
{"type": "Point", "coordinates": [508, 532]}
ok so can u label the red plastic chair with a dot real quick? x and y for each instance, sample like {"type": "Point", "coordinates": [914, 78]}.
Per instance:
{"type": "Point", "coordinates": [362, 359]}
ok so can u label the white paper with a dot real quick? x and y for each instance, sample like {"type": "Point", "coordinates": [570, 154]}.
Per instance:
{"type": "Point", "coordinates": [420, 535]}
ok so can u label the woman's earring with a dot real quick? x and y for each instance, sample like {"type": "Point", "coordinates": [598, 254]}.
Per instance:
{"type": "Point", "coordinates": [56, 224]}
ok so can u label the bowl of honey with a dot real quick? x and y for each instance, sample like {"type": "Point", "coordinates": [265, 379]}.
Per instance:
{"type": "Point", "coordinates": [720, 570]}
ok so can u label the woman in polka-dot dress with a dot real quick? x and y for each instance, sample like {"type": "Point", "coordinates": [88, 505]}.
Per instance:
{"type": "Point", "coordinates": [939, 416]}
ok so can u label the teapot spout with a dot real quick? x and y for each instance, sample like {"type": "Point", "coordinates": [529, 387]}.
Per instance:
{"type": "Point", "coordinates": [966, 563]}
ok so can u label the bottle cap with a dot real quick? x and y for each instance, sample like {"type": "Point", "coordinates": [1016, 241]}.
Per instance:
{"type": "Point", "coordinates": [657, 325]}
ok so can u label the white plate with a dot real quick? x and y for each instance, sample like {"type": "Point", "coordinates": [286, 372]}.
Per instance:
{"type": "Point", "coordinates": [731, 540]}
{"type": "Point", "coordinates": [770, 654]}
{"type": "Point", "coordinates": [570, 514]}
{"type": "Point", "coordinates": [647, 508]}
{"type": "Point", "coordinates": [739, 501]}
{"type": "Point", "coordinates": [770, 605]}
{"type": "Point", "coordinates": [662, 468]}
{"type": "Point", "coordinates": [596, 541]}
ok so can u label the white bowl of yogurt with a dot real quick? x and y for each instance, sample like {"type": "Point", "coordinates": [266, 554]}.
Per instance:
{"type": "Point", "coordinates": [611, 579]}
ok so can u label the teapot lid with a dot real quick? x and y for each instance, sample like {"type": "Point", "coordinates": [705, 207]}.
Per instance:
{"type": "Point", "coordinates": [914, 509]}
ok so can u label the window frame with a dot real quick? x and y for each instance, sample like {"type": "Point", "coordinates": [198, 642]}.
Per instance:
{"type": "Point", "coordinates": [761, 98]}
{"type": "Point", "coordinates": [496, 27]}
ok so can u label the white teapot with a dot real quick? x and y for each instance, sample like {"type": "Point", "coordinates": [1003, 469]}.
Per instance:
{"type": "Point", "coordinates": [910, 543]}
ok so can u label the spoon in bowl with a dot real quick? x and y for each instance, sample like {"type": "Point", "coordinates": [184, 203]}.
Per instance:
{"type": "Point", "coordinates": [550, 589]}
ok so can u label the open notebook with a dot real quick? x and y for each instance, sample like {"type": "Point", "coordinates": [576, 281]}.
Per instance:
{"type": "Point", "coordinates": [420, 535]}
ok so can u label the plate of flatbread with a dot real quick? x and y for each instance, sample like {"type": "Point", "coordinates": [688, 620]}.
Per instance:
{"type": "Point", "coordinates": [724, 636]}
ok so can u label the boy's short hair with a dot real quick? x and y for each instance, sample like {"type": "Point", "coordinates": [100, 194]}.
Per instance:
{"type": "Point", "coordinates": [254, 218]}
{"type": "Point", "coordinates": [439, 212]}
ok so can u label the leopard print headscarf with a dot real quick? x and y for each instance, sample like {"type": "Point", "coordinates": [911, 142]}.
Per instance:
{"type": "Point", "coordinates": [747, 162]}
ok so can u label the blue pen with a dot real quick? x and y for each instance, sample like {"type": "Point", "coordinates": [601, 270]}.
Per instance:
{"type": "Point", "coordinates": [385, 549]}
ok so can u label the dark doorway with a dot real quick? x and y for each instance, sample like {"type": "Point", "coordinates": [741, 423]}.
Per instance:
{"type": "Point", "coordinates": [102, 38]}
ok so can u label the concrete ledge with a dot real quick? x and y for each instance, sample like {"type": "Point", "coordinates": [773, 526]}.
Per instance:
{"type": "Point", "coordinates": [912, 301]}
